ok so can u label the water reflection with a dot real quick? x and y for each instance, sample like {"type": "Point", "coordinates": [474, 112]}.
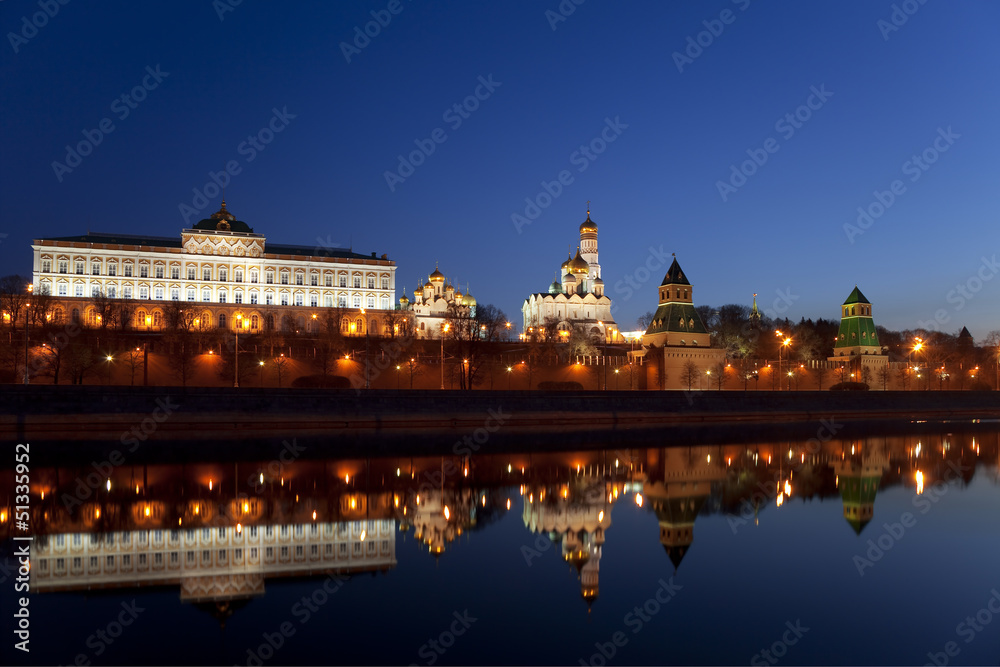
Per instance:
{"type": "Point", "coordinates": [220, 532]}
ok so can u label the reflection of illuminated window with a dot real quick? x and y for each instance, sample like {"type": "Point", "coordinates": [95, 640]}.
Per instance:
{"type": "Point", "coordinates": [77, 563]}
{"type": "Point", "coordinates": [222, 555]}
{"type": "Point", "coordinates": [60, 563]}
{"type": "Point", "coordinates": [238, 555]}
{"type": "Point", "coordinates": [284, 552]}
{"type": "Point", "coordinates": [206, 556]}
{"type": "Point", "coordinates": [253, 553]}
{"type": "Point", "coordinates": [284, 531]}
{"type": "Point", "coordinates": [314, 550]}
{"type": "Point", "coordinates": [298, 551]}
{"type": "Point", "coordinates": [93, 562]}
{"type": "Point", "coordinates": [173, 558]}
{"type": "Point", "coordinates": [298, 530]}
{"type": "Point", "coordinates": [142, 559]}
{"type": "Point", "coordinates": [343, 549]}
{"type": "Point", "coordinates": [110, 563]}
{"type": "Point", "coordinates": [329, 549]}
{"type": "Point", "coordinates": [269, 553]}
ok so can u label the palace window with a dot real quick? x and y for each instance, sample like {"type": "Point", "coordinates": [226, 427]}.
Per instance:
{"type": "Point", "coordinates": [223, 275]}
{"type": "Point", "coordinates": [206, 295]}
{"type": "Point", "coordinates": [329, 281]}
{"type": "Point", "coordinates": [298, 278]}
{"type": "Point", "coordinates": [343, 280]}
{"type": "Point", "coordinates": [253, 296]}
{"type": "Point", "coordinates": [159, 272]}
{"type": "Point", "coordinates": [284, 299]}
{"type": "Point", "coordinates": [313, 300]}
{"type": "Point", "coordinates": [314, 280]}
{"type": "Point", "coordinates": [357, 301]}
{"type": "Point", "coordinates": [238, 297]}
{"type": "Point", "coordinates": [190, 294]}
{"type": "Point", "coordinates": [253, 276]}
{"type": "Point", "coordinates": [111, 292]}
{"type": "Point", "coordinates": [284, 278]}
{"type": "Point", "coordinates": [79, 267]}
{"type": "Point", "coordinates": [191, 273]}
{"type": "Point", "coordinates": [158, 293]}
{"type": "Point", "coordinates": [385, 282]}
{"type": "Point", "coordinates": [94, 291]}
{"type": "Point", "coordinates": [46, 265]}
{"type": "Point", "coordinates": [222, 296]}
{"type": "Point", "coordinates": [95, 269]}
{"type": "Point", "coordinates": [128, 292]}
{"type": "Point", "coordinates": [371, 282]}
{"type": "Point", "coordinates": [112, 269]}
{"type": "Point", "coordinates": [175, 273]}
{"type": "Point", "coordinates": [63, 266]}
{"type": "Point", "coordinates": [222, 321]}
{"type": "Point", "coordinates": [143, 271]}
{"type": "Point", "coordinates": [328, 301]}
{"type": "Point", "coordinates": [269, 299]}
{"type": "Point", "coordinates": [175, 294]}
{"type": "Point", "coordinates": [238, 275]}
{"type": "Point", "coordinates": [269, 277]}
{"type": "Point", "coordinates": [143, 292]}
{"type": "Point", "coordinates": [371, 302]}
{"type": "Point", "coordinates": [357, 282]}
{"type": "Point", "coordinates": [298, 299]}
{"type": "Point", "coordinates": [342, 300]}
{"type": "Point", "coordinates": [206, 273]}
{"type": "Point", "coordinates": [62, 289]}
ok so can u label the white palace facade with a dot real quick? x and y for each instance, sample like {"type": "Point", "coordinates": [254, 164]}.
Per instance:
{"type": "Point", "coordinates": [224, 273]}
{"type": "Point", "coordinates": [578, 302]}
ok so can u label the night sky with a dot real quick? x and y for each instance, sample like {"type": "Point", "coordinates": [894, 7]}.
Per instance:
{"type": "Point", "coordinates": [643, 108]}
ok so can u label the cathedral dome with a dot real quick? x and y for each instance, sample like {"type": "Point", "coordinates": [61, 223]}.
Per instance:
{"type": "Point", "coordinates": [555, 287]}
{"type": "Point", "coordinates": [578, 264]}
{"type": "Point", "coordinates": [436, 277]}
{"type": "Point", "coordinates": [468, 299]}
{"type": "Point", "coordinates": [588, 226]}
{"type": "Point", "coordinates": [223, 221]}
{"type": "Point", "coordinates": [565, 265]}
{"type": "Point", "coordinates": [403, 300]}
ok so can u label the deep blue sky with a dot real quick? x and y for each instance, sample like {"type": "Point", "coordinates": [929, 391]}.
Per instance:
{"type": "Point", "coordinates": [323, 177]}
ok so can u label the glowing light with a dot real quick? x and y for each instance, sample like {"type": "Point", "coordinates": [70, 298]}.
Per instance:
{"type": "Point", "coordinates": [509, 468]}
{"type": "Point", "coordinates": [246, 507]}
{"type": "Point", "coordinates": [708, 459]}
{"type": "Point", "coordinates": [779, 500]}
{"type": "Point", "coordinates": [531, 497]}
{"type": "Point", "coordinates": [197, 509]}
{"type": "Point", "coordinates": [209, 485]}
{"type": "Point", "coordinates": [3, 517]}
{"type": "Point", "coordinates": [788, 488]}
{"type": "Point", "coordinates": [418, 499]}
{"type": "Point", "coordinates": [395, 501]}
{"type": "Point", "coordinates": [600, 515]}
{"type": "Point", "coordinates": [447, 513]}
{"type": "Point", "coordinates": [364, 534]}
{"type": "Point", "coordinates": [465, 471]}
{"type": "Point", "coordinates": [484, 501]}
{"type": "Point", "coordinates": [920, 482]}
{"type": "Point", "coordinates": [347, 479]}
{"type": "Point", "coordinates": [314, 515]}
{"type": "Point", "coordinates": [239, 527]}
{"type": "Point", "coordinates": [508, 503]}
{"type": "Point", "coordinates": [397, 472]}
{"type": "Point", "coordinates": [638, 499]}
{"type": "Point", "coordinates": [353, 503]}
{"type": "Point", "coordinates": [146, 511]}
{"type": "Point", "coordinates": [97, 513]}
{"type": "Point", "coordinates": [262, 478]}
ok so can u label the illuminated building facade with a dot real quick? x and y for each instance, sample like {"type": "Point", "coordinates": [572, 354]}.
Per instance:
{"type": "Point", "coordinates": [578, 302]}
{"type": "Point", "coordinates": [434, 301]}
{"type": "Point", "coordinates": [224, 274]}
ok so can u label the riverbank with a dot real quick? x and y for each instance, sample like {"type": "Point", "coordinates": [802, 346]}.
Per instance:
{"type": "Point", "coordinates": [220, 418]}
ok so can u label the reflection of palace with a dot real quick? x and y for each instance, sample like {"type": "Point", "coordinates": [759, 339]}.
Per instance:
{"type": "Point", "coordinates": [219, 534]}
{"type": "Point", "coordinates": [218, 563]}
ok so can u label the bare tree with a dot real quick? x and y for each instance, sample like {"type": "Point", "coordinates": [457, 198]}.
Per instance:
{"type": "Point", "coordinates": [690, 374]}
{"type": "Point", "coordinates": [719, 371]}
{"type": "Point", "coordinates": [884, 375]}
{"type": "Point", "coordinates": [903, 376]}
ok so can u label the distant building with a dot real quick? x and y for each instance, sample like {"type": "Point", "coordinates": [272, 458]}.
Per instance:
{"type": "Point", "coordinates": [677, 337]}
{"type": "Point", "coordinates": [434, 301]}
{"type": "Point", "coordinates": [857, 341]}
{"type": "Point", "coordinates": [577, 302]}
{"type": "Point", "coordinates": [224, 273]}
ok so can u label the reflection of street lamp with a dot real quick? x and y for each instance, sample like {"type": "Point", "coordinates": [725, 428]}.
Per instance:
{"type": "Point", "coordinates": [261, 363]}
{"type": "Point", "coordinates": [27, 330]}
{"type": "Point", "coordinates": [510, 369]}
{"type": "Point", "coordinates": [616, 379]}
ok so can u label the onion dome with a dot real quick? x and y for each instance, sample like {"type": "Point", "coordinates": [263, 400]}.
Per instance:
{"type": "Point", "coordinates": [428, 285]}
{"type": "Point", "coordinates": [403, 300]}
{"type": "Point", "coordinates": [223, 221]}
{"type": "Point", "coordinates": [449, 286]}
{"type": "Point", "coordinates": [588, 227]}
{"type": "Point", "coordinates": [597, 281]}
{"type": "Point", "coordinates": [569, 278]}
{"type": "Point", "coordinates": [223, 214]}
{"type": "Point", "coordinates": [458, 297]}
{"type": "Point", "coordinates": [579, 265]}
{"type": "Point", "coordinates": [436, 277]}
{"type": "Point", "coordinates": [468, 299]}
{"type": "Point", "coordinates": [565, 265]}
{"type": "Point", "coordinates": [555, 287]}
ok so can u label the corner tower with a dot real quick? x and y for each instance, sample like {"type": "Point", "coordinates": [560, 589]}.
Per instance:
{"type": "Point", "coordinates": [857, 333]}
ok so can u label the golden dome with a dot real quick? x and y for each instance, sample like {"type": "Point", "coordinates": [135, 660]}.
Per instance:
{"type": "Point", "coordinates": [403, 299]}
{"type": "Point", "coordinates": [436, 277]}
{"type": "Point", "coordinates": [565, 265]}
{"type": "Point", "coordinates": [468, 299]}
{"type": "Point", "coordinates": [579, 265]}
{"type": "Point", "coordinates": [588, 226]}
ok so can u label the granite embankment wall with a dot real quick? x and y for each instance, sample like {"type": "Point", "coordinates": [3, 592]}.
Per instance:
{"type": "Point", "coordinates": [65, 413]}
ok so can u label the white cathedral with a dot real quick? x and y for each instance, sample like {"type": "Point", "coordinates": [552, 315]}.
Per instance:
{"type": "Point", "coordinates": [578, 302]}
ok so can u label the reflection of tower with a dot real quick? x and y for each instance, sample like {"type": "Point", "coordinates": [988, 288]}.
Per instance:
{"type": "Point", "coordinates": [858, 477]}
{"type": "Point", "coordinates": [575, 516]}
{"type": "Point", "coordinates": [680, 480]}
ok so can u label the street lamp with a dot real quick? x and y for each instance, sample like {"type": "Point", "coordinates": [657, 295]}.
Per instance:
{"type": "Point", "coordinates": [240, 323]}
{"type": "Point", "coordinates": [785, 343]}
{"type": "Point", "coordinates": [509, 370]}
{"type": "Point", "coordinates": [616, 379]}
{"type": "Point", "coordinates": [367, 374]}
{"type": "Point", "coordinates": [261, 364]}
{"type": "Point", "coordinates": [444, 330]}
{"type": "Point", "coordinates": [109, 359]}
{"type": "Point", "coordinates": [27, 330]}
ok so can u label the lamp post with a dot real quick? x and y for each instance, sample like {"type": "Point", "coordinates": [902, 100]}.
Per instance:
{"type": "Point", "coordinates": [109, 359]}
{"type": "Point", "coordinates": [616, 379]}
{"type": "Point", "coordinates": [444, 330]}
{"type": "Point", "coordinates": [367, 374]}
{"type": "Point", "coordinates": [510, 369]}
{"type": "Point", "coordinates": [240, 322]}
{"type": "Point", "coordinates": [27, 330]}
{"type": "Point", "coordinates": [261, 364]}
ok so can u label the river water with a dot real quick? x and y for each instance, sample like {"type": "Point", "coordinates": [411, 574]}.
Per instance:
{"type": "Point", "coordinates": [877, 550]}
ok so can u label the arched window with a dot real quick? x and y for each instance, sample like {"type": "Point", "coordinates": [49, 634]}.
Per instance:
{"type": "Point", "coordinates": [76, 316]}
{"type": "Point", "coordinates": [254, 321]}
{"type": "Point", "coordinates": [222, 320]}
{"type": "Point", "coordinates": [157, 319]}
{"type": "Point", "coordinates": [359, 326]}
